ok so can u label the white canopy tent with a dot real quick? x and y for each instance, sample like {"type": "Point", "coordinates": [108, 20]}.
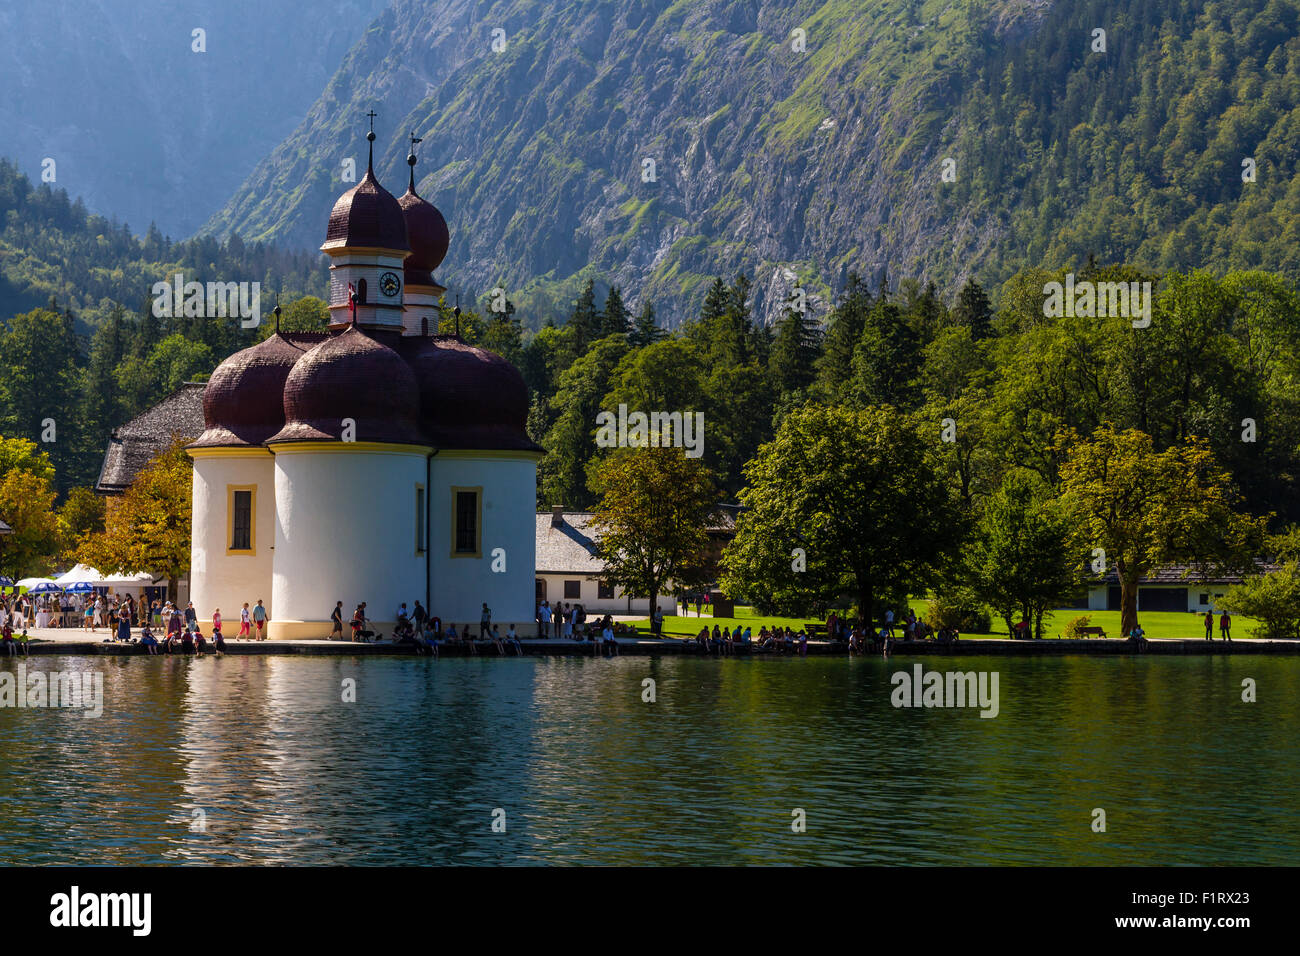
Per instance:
{"type": "Point", "coordinates": [84, 572]}
{"type": "Point", "coordinates": [30, 583]}
{"type": "Point", "coordinates": [79, 574]}
{"type": "Point", "coordinates": [141, 580]}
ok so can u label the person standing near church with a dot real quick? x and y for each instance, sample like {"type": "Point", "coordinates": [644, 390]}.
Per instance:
{"type": "Point", "coordinates": [337, 617]}
{"type": "Point", "coordinates": [245, 619]}
{"type": "Point", "coordinates": [485, 622]}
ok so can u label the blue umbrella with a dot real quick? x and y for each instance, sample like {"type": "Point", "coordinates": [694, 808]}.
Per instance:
{"type": "Point", "coordinates": [81, 587]}
{"type": "Point", "coordinates": [6, 582]}
{"type": "Point", "coordinates": [46, 588]}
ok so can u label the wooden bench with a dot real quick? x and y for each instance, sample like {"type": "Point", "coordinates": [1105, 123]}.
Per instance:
{"type": "Point", "coordinates": [1092, 629]}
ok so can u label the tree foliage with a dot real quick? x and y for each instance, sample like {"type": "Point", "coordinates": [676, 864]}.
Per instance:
{"type": "Point", "coordinates": [148, 528]}
{"type": "Point", "coordinates": [654, 508]}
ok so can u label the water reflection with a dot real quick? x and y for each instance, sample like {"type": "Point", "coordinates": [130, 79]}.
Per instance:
{"type": "Point", "coordinates": [252, 759]}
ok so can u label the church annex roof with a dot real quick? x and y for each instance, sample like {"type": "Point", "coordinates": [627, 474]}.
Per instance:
{"type": "Point", "coordinates": [179, 415]}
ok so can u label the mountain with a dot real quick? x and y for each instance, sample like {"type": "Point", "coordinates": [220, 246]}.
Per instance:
{"type": "Point", "coordinates": [138, 124]}
{"type": "Point", "coordinates": [52, 248]}
{"type": "Point", "coordinates": [800, 168]}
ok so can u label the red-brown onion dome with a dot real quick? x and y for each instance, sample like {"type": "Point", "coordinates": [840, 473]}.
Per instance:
{"type": "Point", "coordinates": [243, 402]}
{"type": "Point", "coordinates": [429, 238]}
{"type": "Point", "coordinates": [470, 398]}
{"type": "Point", "coordinates": [367, 216]}
{"type": "Point", "coordinates": [351, 376]}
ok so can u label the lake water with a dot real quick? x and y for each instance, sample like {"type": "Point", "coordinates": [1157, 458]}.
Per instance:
{"type": "Point", "coordinates": [259, 760]}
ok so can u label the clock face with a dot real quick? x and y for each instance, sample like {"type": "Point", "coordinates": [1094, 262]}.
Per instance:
{"type": "Point", "coordinates": [389, 284]}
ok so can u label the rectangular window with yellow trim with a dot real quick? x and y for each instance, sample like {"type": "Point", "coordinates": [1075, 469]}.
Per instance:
{"type": "Point", "coordinates": [467, 522]}
{"type": "Point", "coordinates": [241, 521]}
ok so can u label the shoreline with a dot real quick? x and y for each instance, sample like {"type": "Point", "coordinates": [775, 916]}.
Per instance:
{"type": "Point", "coordinates": [650, 647]}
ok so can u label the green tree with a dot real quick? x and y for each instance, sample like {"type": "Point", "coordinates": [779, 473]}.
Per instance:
{"type": "Point", "coordinates": [645, 331]}
{"type": "Point", "coordinates": [22, 454]}
{"type": "Point", "coordinates": [148, 529]}
{"type": "Point", "coordinates": [793, 360]}
{"type": "Point", "coordinates": [844, 329]}
{"type": "Point", "coordinates": [842, 501]}
{"type": "Point", "coordinates": [652, 519]}
{"type": "Point", "coordinates": [81, 514]}
{"type": "Point", "coordinates": [585, 320]}
{"type": "Point", "coordinates": [177, 360]}
{"type": "Point", "coordinates": [570, 441]}
{"type": "Point", "coordinates": [1145, 509]}
{"type": "Point", "coordinates": [1022, 557]}
{"type": "Point", "coordinates": [615, 319]}
{"type": "Point", "coordinates": [974, 310]}
{"type": "Point", "coordinates": [305, 314]}
{"type": "Point", "coordinates": [27, 506]}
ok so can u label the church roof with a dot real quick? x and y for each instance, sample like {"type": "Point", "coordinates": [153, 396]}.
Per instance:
{"type": "Point", "coordinates": [428, 235]}
{"type": "Point", "coordinates": [243, 403]}
{"type": "Point", "coordinates": [367, 215]}
{"type": "Point", "coordinates": [470, 398]}
{"type": "Point", "coordinates": [353, 376]}
{"type": "Point", "coordinates": [179, 415]}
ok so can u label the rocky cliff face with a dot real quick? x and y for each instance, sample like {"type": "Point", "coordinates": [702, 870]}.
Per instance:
{"type": "Point", "coordinates": [141, 126]}
{"type": "Point", "coordinates": [652, 143]}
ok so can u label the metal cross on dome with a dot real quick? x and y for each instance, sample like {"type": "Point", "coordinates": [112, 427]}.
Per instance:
{"type": "Point", "coordinates": [372, 114]}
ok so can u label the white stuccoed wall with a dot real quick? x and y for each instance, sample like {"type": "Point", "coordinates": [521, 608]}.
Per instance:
{"type": "Point", "coordinates": [345, 530]}
{"type": "Point", "coordinates": [219, 580]}
{"type": "Point", "coordinates": [459, 586]}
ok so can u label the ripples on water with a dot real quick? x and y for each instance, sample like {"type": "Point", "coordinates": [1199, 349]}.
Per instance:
{"type": "Point", "coordinates": [284, 772]}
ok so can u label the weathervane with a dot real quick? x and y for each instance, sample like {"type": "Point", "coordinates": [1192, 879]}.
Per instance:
{"type": "Point", "coordinates": [410, 159]}
{"type": "Point", "coordinates": [370, 137]}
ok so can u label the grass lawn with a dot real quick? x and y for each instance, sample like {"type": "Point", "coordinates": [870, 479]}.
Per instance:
{"type": "Point", "coordinates": [1157, 624]}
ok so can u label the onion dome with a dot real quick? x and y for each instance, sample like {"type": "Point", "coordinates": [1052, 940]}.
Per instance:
{"type": "Point", "coordinates": [470, 398]}
{"type": "Point", "coordinates": [367, 215]}
{"type": "Point", "coordinates": [243, 401]}
{"type": "Point", "coordinates": [427, 233]}
{"type": "Point", "coordinates": [351, 376]}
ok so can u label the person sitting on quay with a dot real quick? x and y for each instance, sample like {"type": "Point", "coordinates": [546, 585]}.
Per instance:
{"type": "Point", "coordinates": [148, 641]}
{"type": "Point", "coordinates": [216, 628]}
{"type": "Point", "coordinates": [200, 643]}
{"type": "Point", "coordinates": [187, 642]}
{"type": "Point", "coordinates": [608, 645]}
{"type": "Point", "coordinates": [7, 637]}
{"type": "Point", "coordinates": [218, 644]}
{"type": "Point", "coordinates": [1138, 636]}
{"type": "Point", "coordinates": [512, 641]}
{"type": "Point", "coordinates": [402, 629]}
{"type": "Point", "coordinates": [702, 639]}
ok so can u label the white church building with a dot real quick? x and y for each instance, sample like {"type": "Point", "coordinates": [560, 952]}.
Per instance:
{"type": "Point", "coordinates": [374, 462]}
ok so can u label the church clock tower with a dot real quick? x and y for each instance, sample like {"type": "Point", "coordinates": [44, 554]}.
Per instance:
{"type": "Point", "coordinates": [367, 245]}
